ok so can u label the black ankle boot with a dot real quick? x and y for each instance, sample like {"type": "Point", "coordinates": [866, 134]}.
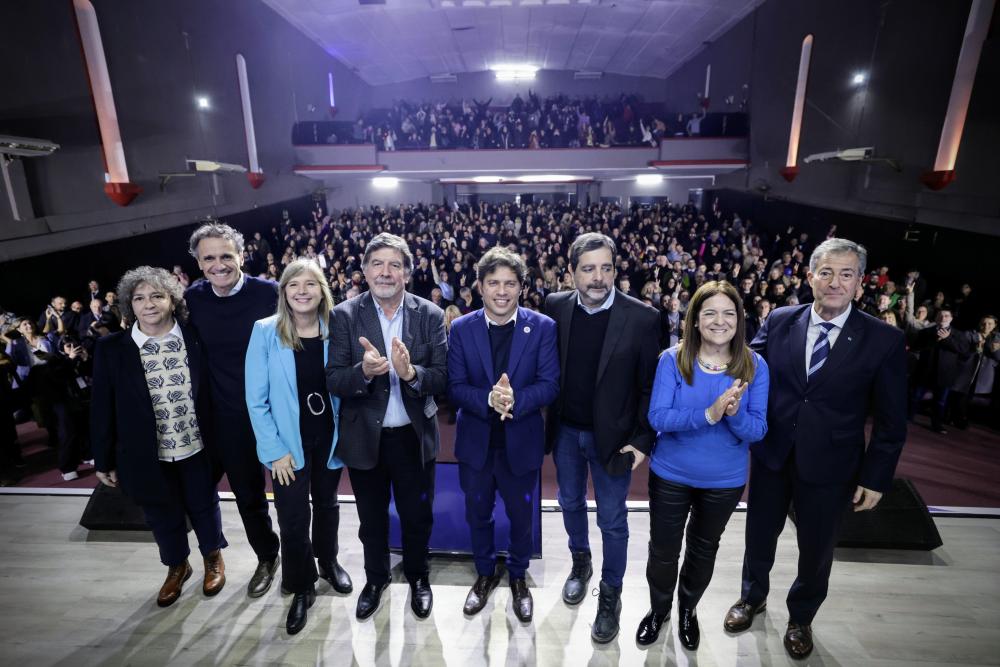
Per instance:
{"type": "Point", "coordinates": [576, 584]}
{"type": "Point", "coordinates": [609, 610]}
{"type": "Point", "coordinates": [297, 612]}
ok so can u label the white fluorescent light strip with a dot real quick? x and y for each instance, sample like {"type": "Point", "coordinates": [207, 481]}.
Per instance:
{"type": "Point", "coordinates": [649, 179]}
{"type": "Point", "coordinates": [385, 182]}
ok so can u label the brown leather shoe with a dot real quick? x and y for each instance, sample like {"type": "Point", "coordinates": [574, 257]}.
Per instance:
{"type": "Point", "coordinates": [799, 641]}
{"type": "Point", "coordinates": [171, 589]}
{"type": "Point", "coordinates": [215, 573]}
{"type": "Point", "coordinates": [740, 615]}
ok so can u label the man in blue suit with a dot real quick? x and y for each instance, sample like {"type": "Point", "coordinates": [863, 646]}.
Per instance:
{"type": "Point", "coordinates": [503, 368]}
{"type": "Point", "coordinates": [831, 366]}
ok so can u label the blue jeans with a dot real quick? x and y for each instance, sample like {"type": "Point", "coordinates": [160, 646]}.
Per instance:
{"type": "Point", "coordinates": [574, 451]}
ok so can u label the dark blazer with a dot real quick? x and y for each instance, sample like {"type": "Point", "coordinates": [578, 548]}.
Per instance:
{"type": "Point", "coordinates": [533, 370]}
{"type": "Point", "coordinates": [363, 404]}
{"type": "Point", "coordinates": [122, 425]}
{"type": "Point", "coordinates": [824, 418]}
{"type": "Point", "coordinates": [625, 374]}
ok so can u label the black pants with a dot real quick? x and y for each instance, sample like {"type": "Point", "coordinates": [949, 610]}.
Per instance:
{"type": "Point", "coordinates": [400, 471]}
{"type": "Point", "coordinates": [235, 453]}
{"type": "Point", "coordinates": [298, 553]}
{"type": "Point", "coordinates": [71, 433]}
{"type": "Point", "coordinates": [819, 509]}
{"type": "Point", "coordinates": [670, 503]}
{"type": "Point", "coordinates": [193, 496]}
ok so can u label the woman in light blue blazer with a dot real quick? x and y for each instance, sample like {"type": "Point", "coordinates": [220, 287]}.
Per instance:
{"type": "Point", "coordinates": [295, 422]}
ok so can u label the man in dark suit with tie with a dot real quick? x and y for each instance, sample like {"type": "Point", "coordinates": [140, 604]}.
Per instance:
{"type": "Point", "coordinates": [388, 359]}
{"type": "Point", "coordinates": [608, 343]}
{"type": "Point", "coordinates": [831, 366]}
{"type": "Point", "coordinates": [503, 368]}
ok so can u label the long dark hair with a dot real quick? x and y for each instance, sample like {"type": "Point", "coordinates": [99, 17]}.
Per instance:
{"type": "Point", "coordinates": [742, 364]}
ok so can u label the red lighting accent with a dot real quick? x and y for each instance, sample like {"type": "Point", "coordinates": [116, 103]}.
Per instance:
{"type": "Point", "coordinates": [937, 180]}
{"type": "Point", "coordinates": [704, 103]}
{"type": "Point", "coordinates": [122, 193]}
{"type": "Point", "coordinates": [333, 111]}
{"type": "Point", "coordinates": [256, 179]}
{"type": "Point", "coordinates": [789, 173]}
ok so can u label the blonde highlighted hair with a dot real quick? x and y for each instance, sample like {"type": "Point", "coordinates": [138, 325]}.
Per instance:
{"type": "Point", "coordinates": [287, 334]}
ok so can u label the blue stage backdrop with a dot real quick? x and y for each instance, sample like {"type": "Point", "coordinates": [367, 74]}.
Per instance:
{"type": "Point", "coordinates": [451, 532]}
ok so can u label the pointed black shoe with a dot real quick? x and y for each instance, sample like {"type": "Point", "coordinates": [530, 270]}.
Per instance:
{"type": "Point", "coordinates": [337, 576]}
{"type": "Point", "coordinates": [520, 598]}
{"type": "Point", "coordinates": [297, 613]}
{"type": "Point", "coordinates": [421, 597]}
{"type": "Point", "coordinates": [687, 629]}
{"type": "Point", "coordinates": [480, 593]}
{"type": "Point", "coordinates": [575, 587]}
{"type": "Point", "coordinates": [649, 628]}
{"type": "Point", "coordinates": [369, 600]}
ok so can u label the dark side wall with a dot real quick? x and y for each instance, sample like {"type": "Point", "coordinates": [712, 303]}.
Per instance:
{"type": "Point", "coordinates": [161, 57]}
{"type": "Point", "coordinates": [908, 49]}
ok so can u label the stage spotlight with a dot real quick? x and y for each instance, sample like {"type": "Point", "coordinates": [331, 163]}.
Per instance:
{"type": "Point", "coordinates": [203, 103]}
{"type": "Point", "coordinates": [859, 78]}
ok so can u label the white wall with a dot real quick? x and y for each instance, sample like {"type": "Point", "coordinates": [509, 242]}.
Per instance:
{"type": "Point", "coordinates": [675, 188]}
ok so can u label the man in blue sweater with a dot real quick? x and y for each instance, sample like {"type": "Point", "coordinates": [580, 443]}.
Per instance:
{"type": "Point", "coordinates": [223, 307]}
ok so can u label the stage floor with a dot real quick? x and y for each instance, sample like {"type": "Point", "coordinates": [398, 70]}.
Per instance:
{"type": "Point", "coordinates": [70, 597]}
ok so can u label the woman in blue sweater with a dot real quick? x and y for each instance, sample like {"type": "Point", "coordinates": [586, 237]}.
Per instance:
{"type": "Point", "coordinates": [294, 420]}
{"type": "Point", "coordinates": [709, 403]}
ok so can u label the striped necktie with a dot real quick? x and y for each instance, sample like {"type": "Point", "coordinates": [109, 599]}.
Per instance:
{"type": "Point", "coordinates": [821, 350]}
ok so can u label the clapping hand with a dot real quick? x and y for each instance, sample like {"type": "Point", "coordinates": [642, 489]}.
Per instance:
{"type": "Point", "coordinates": [502, 398]}
{"type": "Point", "coordinates": [401, 361]}
{"type": "Point", "coordinates": [943, 333]}
{"type": "Point", "coordinates": [372, 363]}
{"type": "Point", "coordinates": [728, 401]}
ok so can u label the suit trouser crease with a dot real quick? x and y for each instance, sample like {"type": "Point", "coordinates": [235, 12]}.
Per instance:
{"type": "Point", "coordinates": [670, 504]}
{"type": "Point", "coordinates": [401, 473]}
{"type": "Point", "coordinates": [819, 510]}
{"type": "Point", "coordinates": [235, 451]}
{"type": "Point", "coordinates": [575, 453]}
{"type": "Point", "coordinates": [518, 493]}
{"type": "Point", "coordinates": [298, 553]}
{"type": "Point", "coordinates": [192, 486]}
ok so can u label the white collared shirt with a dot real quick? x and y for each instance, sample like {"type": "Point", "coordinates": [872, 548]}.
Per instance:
{"type": "Point", "coordinates": [140, 338]}
{"type": "Point", "coordinates": [491, 323]}
{"type": "Point", "coordinates": [236, 288]}
{"type": "Point", "coordinates": [814, 330]}
{"type": "Point", "coordinates": [604, 306]}
{"type": "Point", "coordinates": [395, 410]}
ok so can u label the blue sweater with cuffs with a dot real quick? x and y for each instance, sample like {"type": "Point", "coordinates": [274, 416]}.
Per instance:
{"type": "Point", "coordinates": [688, 451]}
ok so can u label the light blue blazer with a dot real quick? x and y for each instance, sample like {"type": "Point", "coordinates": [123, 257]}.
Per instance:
{"type": "Point", "coordinates": [273, 396]}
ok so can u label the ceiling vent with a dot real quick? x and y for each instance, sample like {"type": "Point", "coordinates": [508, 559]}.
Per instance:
{"type": "Point", "coordinates": [586, 75]}
{"type": "Point", "coordinates": [444, 78]}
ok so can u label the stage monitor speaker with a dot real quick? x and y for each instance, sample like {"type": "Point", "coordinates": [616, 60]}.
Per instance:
{"type": "Point", "coordinates": [900, 521]}
{"type": "Point", "coordinates": [110, 509]}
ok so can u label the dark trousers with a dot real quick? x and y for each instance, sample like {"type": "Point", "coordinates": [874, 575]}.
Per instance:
{"type": "Point", "coordinates": [670, 503]}
{"type": "Point", "coordinates": [401, 472]}
{"type": "Point", "coordinates": [71, 428]}
{"type": "Point", "coordinates": [235, 453]}
{"type": "Point", "coordinates": [194, 496]}
{"type": "Point", "coordinates": [819, 509]}
{"type": "Point", "coordinates": [298, 553]}
{"type": "Point", "coordinates": [576, 452]}
{"type": "Point", "coordinates": [518, 492]}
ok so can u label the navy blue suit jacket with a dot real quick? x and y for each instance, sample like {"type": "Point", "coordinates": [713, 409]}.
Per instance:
{"type": "Point", "coordinates": [824, 418]}
{"type": "Point", "coordinates": [533, 370]}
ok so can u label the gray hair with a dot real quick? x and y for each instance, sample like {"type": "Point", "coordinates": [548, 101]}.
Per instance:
{"type": "Point", "coordinates": [588, 242]}
{"type": "Point", "coordinates": [498, 257]}
{"type": "Point", "coordinates": [215, 230]}
{"type": "Point", "coordinates": [157, 278]}
{"type": "Point", "coordinates": [835, 246]}
{"type": "Point", "coordinates": [386, 240]}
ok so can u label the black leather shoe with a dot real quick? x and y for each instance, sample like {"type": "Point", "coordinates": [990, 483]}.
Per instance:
{"type": "Point", "coordinates": [740, 615]}
{"type": "Point", "coordinates": [798, 641]}
{"type": "Point", "coordinates": [337, 576]}
{"type": "Point", "coordinates": [688, 630]}
{"type": "Point", "coordinates": [262, 577]}
{"type": "Point", "coordinates": [609, 611]}
{"type": "Point", "coordinates": [520, 598]}
{"type": "Point", "coordinates": [649, 628]}
{"type": "Point", "coordinates": [575, 587]}
{"type": "Point", "coordinates": [480, 593]}
{"type": "Point", "coordinates": [369, 600]}
{"type": "Point", "coordinates": [297, 612]}
{"type": "Point", "coordinates": [421, 597]}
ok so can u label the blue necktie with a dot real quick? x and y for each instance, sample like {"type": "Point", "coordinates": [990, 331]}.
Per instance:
{"type": "Point", "coordinates": [821, 350]}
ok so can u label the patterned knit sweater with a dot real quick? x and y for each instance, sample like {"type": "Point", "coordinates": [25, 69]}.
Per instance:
{"type": "Point", "coordinates": [168, 379]}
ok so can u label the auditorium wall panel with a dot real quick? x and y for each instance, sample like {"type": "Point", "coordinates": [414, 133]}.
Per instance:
{"type": "Point", "coordinates": [161, 57]}
{"type": "Point", "coordinates": [908, 52]}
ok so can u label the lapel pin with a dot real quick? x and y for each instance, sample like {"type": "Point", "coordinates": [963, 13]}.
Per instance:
{"type": "Point", "coordinates": [849, 338]}
{"type": "Point", "coordinates": [527, 329]}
